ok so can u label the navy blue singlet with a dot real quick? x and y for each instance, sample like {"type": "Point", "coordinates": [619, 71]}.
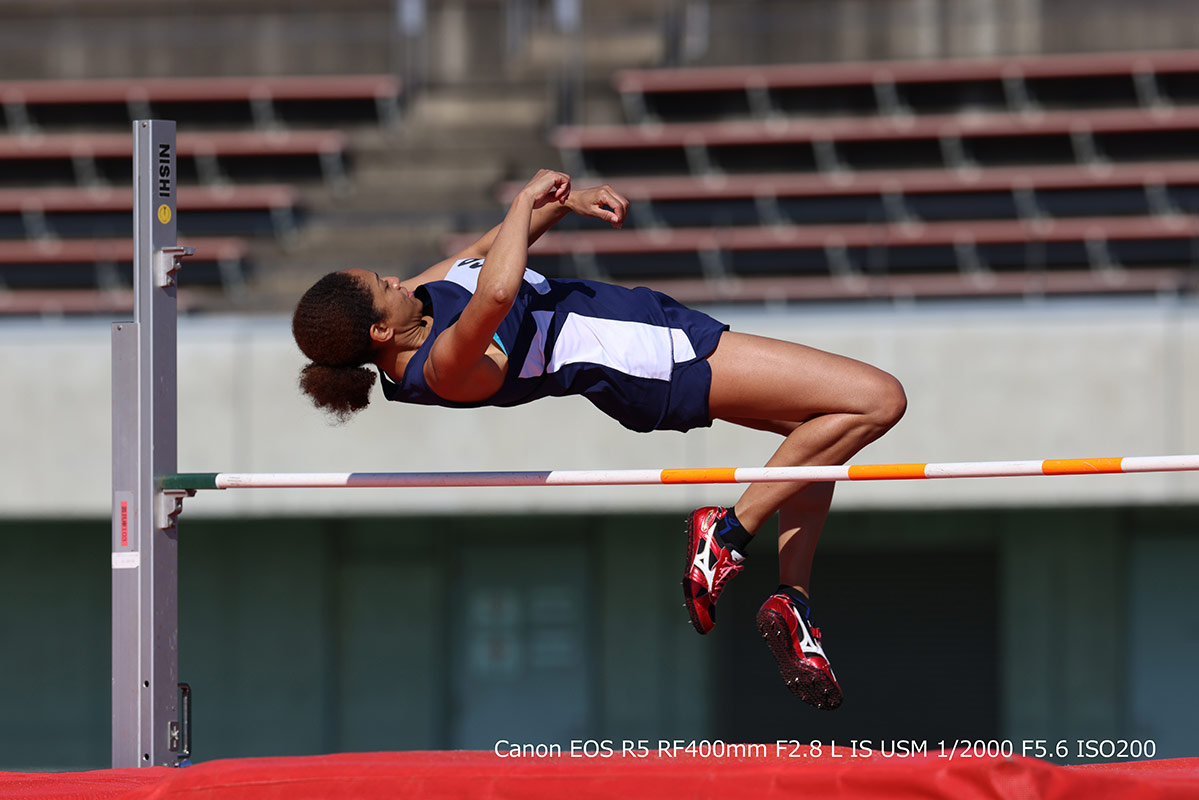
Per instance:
{"type": "Point", "coordinates": [636, 354]}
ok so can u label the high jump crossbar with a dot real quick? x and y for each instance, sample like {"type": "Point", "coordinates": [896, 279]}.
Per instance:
{"type": "Point", "coordinates": [150, 708]}
{"type": "Point", "coordinates": [194, 481]}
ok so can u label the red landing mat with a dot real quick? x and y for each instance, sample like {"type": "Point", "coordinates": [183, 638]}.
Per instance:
{"type": "Point", "coordinates": [484, 775]}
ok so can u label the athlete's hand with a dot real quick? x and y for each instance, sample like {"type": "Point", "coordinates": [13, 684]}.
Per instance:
{"type": "Point", "coordinates": [601, 202]}
{"type": "Point", "coordinates": [547, 187]}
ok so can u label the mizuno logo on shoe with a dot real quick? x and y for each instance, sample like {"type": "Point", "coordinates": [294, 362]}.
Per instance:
{"type": "Point", "coordinates": [710, 565]}
{"type": "Point", "coordinates": [705, 560]}
{"type": "Point", "coordinates": [808, 643]}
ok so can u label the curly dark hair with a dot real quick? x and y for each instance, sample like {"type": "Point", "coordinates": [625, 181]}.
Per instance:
{"type": "Point", "coordinates": [332, 325]}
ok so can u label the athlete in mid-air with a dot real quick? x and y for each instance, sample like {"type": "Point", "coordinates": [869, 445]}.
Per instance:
{"type": "Point", "coordinates": [480, 329]}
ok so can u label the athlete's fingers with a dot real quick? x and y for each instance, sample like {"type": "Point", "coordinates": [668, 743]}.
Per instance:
{"type": "Point", "coordinates": [548, 185]}
{"type": "Point", "coordinates": [548, 177]}
{"type": "Point", "coordinates": [602, 202]}
{"type": "Point", "coordinates": [563, 188]}
{"type": "Point", "coordinates": [607, 198]}
{"type": "Point", "coordinates": [619, 205]}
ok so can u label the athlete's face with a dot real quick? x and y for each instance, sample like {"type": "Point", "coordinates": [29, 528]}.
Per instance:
{"type": "Point", "coordinates": [399, 308]}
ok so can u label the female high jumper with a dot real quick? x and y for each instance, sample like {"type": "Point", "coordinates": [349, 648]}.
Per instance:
{"type": "Point", "coordinates": [480, 329]}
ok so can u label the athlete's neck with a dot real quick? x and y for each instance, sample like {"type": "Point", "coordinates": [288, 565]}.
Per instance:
{"type": "Point", "coordinates": [392, 356]}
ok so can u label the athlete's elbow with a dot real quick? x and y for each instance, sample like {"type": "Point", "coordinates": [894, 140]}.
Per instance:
{"type": "Point", "coordinates": [501, 296]}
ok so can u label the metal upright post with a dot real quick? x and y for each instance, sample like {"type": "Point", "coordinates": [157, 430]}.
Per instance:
{"type": "Point", "coordinates": [145, 684]}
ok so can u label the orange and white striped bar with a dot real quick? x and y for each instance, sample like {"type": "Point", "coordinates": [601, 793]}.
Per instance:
{"type": "Point", "coordinates": [630, 477]}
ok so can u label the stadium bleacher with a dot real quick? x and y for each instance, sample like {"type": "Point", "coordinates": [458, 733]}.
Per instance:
{"type": "Point", "coordinates": [67, 211]}
{"type": "Point", "coordinates": [106, 264]}
{"type": "Point", "coordinates": [815, 181]}
{"type": "Point", "coordinates": [245, 147]}
{"type": "Point", "coordinates": [1020, 175]}
{"type": "Point", "coordinates": [264, 102]}
{"type": "Point", "coordinates": [100, 159]}
{"type": "Point", "coordinates": [1020, 84]}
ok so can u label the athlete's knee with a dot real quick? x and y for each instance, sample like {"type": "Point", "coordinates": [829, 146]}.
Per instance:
{"type": "Point", "coordinates": [888, 401]}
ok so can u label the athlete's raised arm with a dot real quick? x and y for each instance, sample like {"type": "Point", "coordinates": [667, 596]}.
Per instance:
{"type": "Point", "coordinates": [601, 202]}
{"type": "Point", "coordinates": [458, 367]}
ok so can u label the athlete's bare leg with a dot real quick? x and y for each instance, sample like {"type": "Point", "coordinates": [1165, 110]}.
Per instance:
{"type": "Point", "coordinates": [827, 408]}
{"type": "Point", "coordinates": [801, 519]}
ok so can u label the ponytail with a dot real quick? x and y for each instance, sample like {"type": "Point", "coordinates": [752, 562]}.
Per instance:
{"type": "Point", "coordinates": [342, 391]}
{"type": "Point", "coordinates": [331, 326]}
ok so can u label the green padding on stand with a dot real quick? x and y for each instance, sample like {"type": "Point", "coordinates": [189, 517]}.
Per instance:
{"type": "Point", "coordinates": [190, 480]}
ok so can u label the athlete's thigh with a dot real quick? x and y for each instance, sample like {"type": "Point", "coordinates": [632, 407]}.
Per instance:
{"type": "Point", "coordinates": [782, 427]}
{"type": "Point", "coordinates": [756, 377]}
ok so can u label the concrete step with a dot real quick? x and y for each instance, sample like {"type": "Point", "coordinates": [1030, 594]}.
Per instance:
{"type": "Point", "coordinates": [596, 54]}
{"type": "Point", "coordinates": [415, 187]}
{"type": "Point", "coordinates": [474, 106]}
{"type": "Point", "coordinates": [429, 155]}
{"type": "Point", "coordinates": [339, 239]}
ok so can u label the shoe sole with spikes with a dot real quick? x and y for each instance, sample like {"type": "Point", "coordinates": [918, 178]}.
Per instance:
{"type": "Point", "coordinates": [806, 681]}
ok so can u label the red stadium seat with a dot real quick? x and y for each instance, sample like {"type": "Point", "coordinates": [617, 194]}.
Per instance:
{"type": "Point", "coordinates": [903, 87]}
{"type": "Point", "coordinates": [88, 158]}
{"type": "Point", "coordinates": [38, 208]}
{"type": "Point", "coordinates": [140, 98]}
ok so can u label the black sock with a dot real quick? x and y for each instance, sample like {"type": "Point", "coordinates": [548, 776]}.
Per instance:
{"type": "Point", "coordinates": [732, 533]}
{"type": "Point", "coordinates": [798, 597]}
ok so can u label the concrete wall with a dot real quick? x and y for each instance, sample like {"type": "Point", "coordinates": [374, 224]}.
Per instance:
{"type": "Point", "coordinates": [359, 634]}
{"type": "Point", "coordinates": [336, 635]}
{"type": "Point", "coordinates": [984, 383]}
{"type": "Point", "coordinates": [477, 40]}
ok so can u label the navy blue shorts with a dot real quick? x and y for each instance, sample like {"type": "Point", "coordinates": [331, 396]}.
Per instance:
{"type": "Point", "coordinates": [691, 381]}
